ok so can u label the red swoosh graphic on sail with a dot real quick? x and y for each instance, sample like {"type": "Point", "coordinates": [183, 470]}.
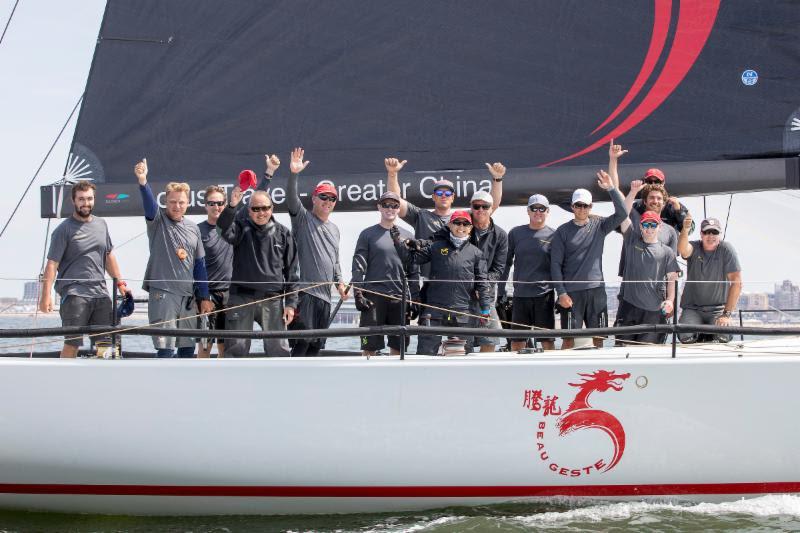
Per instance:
{"type": "Point", "coordinates": [596, 419]}
{"type": "Point", "coordinates": [663, 13]}
{"type": "Point", "coordinates": [694, 26]}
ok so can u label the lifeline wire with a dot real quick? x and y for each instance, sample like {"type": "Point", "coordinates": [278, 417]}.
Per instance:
{"type": "Point", "coordinates": [9, 21]}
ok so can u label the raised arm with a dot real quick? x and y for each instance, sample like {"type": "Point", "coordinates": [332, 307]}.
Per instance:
{"type": "Point", "coordinates": [636, 186]}
{"type": "Point", "coordinates": [609, 223]}
{"type": "Point", "coordinates": [148, 199]}
{"type": "Point", "coordinates": [685, 248]}
{"type": "Point", "coordinates": [497, 170]}
{"type": "Point", "coordinates": [296, 167]}
{"type": "Point", "coordinates": [230, 218]}
{"type": "Point", "coordinates": [615, 151]}
{"type": "Point", "coordinates": [271, 166]}
{"type": "Point", "coordinates": [393, 168]}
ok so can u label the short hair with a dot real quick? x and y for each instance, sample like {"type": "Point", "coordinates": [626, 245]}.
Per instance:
{"type": "Point", "coordinates": [211, 189]}
{"type": "Point", "coordinates": [174, 186]}
{"type": "Point", "coordinates": [260, 193]}
{"type": "Point", "coordinates": [657, 187]}
{"type": "Point", "coordinates": [82, 186]}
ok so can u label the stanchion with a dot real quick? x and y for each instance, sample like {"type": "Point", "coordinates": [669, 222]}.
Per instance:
{"type": "Point", "coordinates": [116, 351]}
{"type": "Point", "coordinates": [403, 305]}
{"type": "Point", "coordinates": [675, 321]}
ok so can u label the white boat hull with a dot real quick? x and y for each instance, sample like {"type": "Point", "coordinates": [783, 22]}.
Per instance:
{"type": "Point", "coordinates": [272, 436]}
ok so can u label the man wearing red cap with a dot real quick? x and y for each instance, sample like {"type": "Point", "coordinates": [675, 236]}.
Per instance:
{"type": "Point", "coordinates": [461, 267]}
{"type": "Point", "coordinates": [650, 271]}
{"type": "Point", "coordinates": [318, 249]}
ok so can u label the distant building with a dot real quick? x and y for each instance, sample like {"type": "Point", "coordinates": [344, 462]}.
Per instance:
{"type": "Point", "coordinates": [754, 301]}
{"type": "Point", "coordinates": [787, 295]}
{"type": "Point", "coordinates": [31, 294]}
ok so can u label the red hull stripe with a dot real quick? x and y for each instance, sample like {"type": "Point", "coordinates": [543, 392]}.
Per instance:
{"type": "Point", "coordinates": [404, 491]}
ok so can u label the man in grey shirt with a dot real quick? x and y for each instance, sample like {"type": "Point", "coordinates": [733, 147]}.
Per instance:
{"type": "Point", "coordinates": [650, 269]}
{"type": "Point", "coordinates": [576, 260]}
{"type": "Point", "coordinates": [80, 252]}
{"type": "Point", "coordinates": [318, 249]}
{"type": "Point", "coordinates": [176, 266]}
{"type": "Point", "coordinates": [713, 278]}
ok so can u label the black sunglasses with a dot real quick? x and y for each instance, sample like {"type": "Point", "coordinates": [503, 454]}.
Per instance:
{"type": "Point", "coordinates": [260, 208]}
{"type": "Point", "coordinates": [215, 204]}
{"type": "Point", "coordinates": [462, 223]}
{"type": "Point", "coordinates": [326, 198]}
{"type": "Point", "coordinates": [580, 205]}
{"type": "Point", "coordinates": [390, 206]}
{"type": "Point", "coordinates": [481, 206]}
{"type": "Point", "coordinates": [651, 181]}
{"type": "Point", "coordinates": [540, 209]}
{"type": "Point", "coordinates": [710, 232]}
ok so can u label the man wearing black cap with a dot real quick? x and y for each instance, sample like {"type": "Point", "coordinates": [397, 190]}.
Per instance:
{"type": "Point", "coordinates": [715, 264]}
{"type": "Point", "coordinates": [377, 267]}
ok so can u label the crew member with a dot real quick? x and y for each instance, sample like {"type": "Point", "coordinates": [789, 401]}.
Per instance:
{"type": "Point", "coordinates": [265, 272]}
{"type": "Point", "coordinates": [176, 266]}
{"type": "Point", "coordinates": [577, 260]}
{"type": "Point", "coordinates": [219, 265]}
{"type": "Point", "coordinates": [529, 253]}
{"type": "Point", "coordinates": [318, 249]}
{"type": "Point", "coordinates": [651, 268]}
{"type": "Point", "coordinates": [80, 253]}
{"type": "Point", "coordinates": [462, 267]}
{"type": "Point", "coordinates": [377, 267]}
{"type": "Point", "coordinates": [713, 279]}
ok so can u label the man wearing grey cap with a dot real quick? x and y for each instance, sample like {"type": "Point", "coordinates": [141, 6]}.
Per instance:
{"type": "Point", "coordinates": [378, 267]}
{"type": "Point", "coordinates": [529, 252]}
{"type": "Point", "coordinates": [576, 260]}
{"type": "Point", "coordinates": [713, 278]}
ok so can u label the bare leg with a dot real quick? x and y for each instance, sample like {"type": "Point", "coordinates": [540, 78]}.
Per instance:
{"type": "Point", "coordinates": [394, 352]}
{"type": "Point", "coordinates": [598, 342]}
{"type": "Point", "coordinates": [518, 345]}
{"type": "Point", "coordinates": [567, 344]}
{"type": "Point", "coordinates": [548, 345]}
{"type": "Point", "coordinates": [488, 348]}
{"type": "Point", "coordinates": [368, 353]}
{"type": "Point", "coordinates": [203, 353]}
{"type": "Point", "coordinates": [69, 351]}
{"type": "Point", "coordinates": [220, 350]}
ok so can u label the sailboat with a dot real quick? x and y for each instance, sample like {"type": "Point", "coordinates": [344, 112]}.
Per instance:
{"type": "Point", "coordinates": [536, 85]}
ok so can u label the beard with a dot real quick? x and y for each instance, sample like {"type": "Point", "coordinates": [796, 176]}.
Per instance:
{"type": "Point", "coordinates": [84, 212]}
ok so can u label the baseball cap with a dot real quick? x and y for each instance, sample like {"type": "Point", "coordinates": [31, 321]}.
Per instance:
{"type": "Point", "coordinates": [650, 216]}
{"type": "Point", "coordinates": [127, 306]}
{"type": "Point", "coordinates": [710, 223]}
{"type": "Point", "coordinates": [482, 196]}
{"type": "Point", "coordinates": [461, 214]}
{"type": "Point", "coordinates": [582, 195]}
{"type": "Point", "coordinates": [443, 184]}
{"type": "Point", "coordinates": [247, 179]}
{"type": "Point", "coordinates": [389, 195]}
{"type": "Point", "coordinates": [325, 188]}
{"type": "Point", "coordinates": [656, 173]}
{"type": "Point", "coordinates": [539, 199]}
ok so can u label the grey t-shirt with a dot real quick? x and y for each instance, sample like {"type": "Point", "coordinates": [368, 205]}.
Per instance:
{"type": "Point", "coordinates": [647, 265]}
{"type": "Point", "coordinates": [219, 257]}
{"type": "Point", "coordinates": [80, 249]}
{"type": "Point", "coordinates": [708, 266]}
{"type": "Point", "coordinates": [529, 249]}
{"type": "Point", "coordinates": [425, 224]}
{"type": "Point", "coordinates": [666, 234]}
{"type": "Point", "coordinates": [166, 270]}
{"type": "Point", "coordinates": [577, 251]}
{"type": "Point", "coordinates": [318, 251]}
{"type": "Point", "coordinates": [376, 259]}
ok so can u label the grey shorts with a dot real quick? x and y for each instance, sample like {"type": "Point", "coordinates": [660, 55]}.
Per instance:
{"type": "Point", "coordinates": [84, 311]}
{"type": "Point", "coordinates": [167, 310]}
{"type": "Point", "coordinates": [707, 316]}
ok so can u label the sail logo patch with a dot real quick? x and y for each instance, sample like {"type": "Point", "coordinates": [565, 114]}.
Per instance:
{"type": "Point", "coordinates": [749, 77]}
{"type": "Point", "coordinates": [555, 425]}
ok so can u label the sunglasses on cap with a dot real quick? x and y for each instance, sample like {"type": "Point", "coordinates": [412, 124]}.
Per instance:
{"type": "Point", "coordinates": [537, 209]}
{"type": "Point", "coordinates": [649, 225]}
{"type": "Point", "coordinates": [476, 207]}
{"type": "Point", "coordinates": [389, 205]}
{"type": "Point", "coordinates": [260, 208]}
{"type": "Point", "coordinates": [215, 204]}
{"type": "Point", "coordinates": [581, 205]}
{"type": "Point", "coordinates": [447, 193]}
{"type": "Point", "coordinates": [710, 232]}
{"type": "Point", "coordinates": [326, 197]}
{"type": "Point", "coordinates": [461, 223]}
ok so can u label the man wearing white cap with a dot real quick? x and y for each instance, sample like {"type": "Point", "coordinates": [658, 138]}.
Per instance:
{"type": "Point", "coordinates": [529, 252]}
{"type": "Point", "coordinates": [576, 260]}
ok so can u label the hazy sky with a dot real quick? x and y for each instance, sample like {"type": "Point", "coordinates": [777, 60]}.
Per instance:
{"type": "Point", "coordinates": [45, 59]}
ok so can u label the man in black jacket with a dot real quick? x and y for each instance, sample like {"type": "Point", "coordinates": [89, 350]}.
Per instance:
{"type": "Point", "coordinates": [265, 269]}
{"type": "Point", "coordinates": [458, 272]}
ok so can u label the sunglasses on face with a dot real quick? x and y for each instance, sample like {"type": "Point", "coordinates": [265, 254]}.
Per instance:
{"type": "Point", "coordinates": [215, 204]}
{"type": "Point", "coordinates": [537, 209]}
{"type": "Point", "coordinates": [649, 225]}
{"type": "Point", "coordinates": [260, 208]}
{"type": "Point", "coordinates": [327, 198]}
{"type": "Point", "coordinates": [462, 223]}
{"type": "Point", "coordinates": [581, 205]}
{"type": "Point", "coordinates": [477, 207]}
{"type": "Point", "coordinates": [710, 232]}
{"type": "Point", "coordinates": [390, 206]}
{"type": "Point", "coordinates": [447, 193]}
{"type": "Point", "coordinates": [651, 180]}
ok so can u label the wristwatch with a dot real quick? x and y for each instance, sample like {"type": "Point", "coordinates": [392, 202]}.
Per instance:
{"type": "Point", "coordinates": [498, 180]}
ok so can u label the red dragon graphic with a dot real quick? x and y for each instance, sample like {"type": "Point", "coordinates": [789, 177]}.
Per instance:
{"type": "Point", "coordinates": [581, 415]}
